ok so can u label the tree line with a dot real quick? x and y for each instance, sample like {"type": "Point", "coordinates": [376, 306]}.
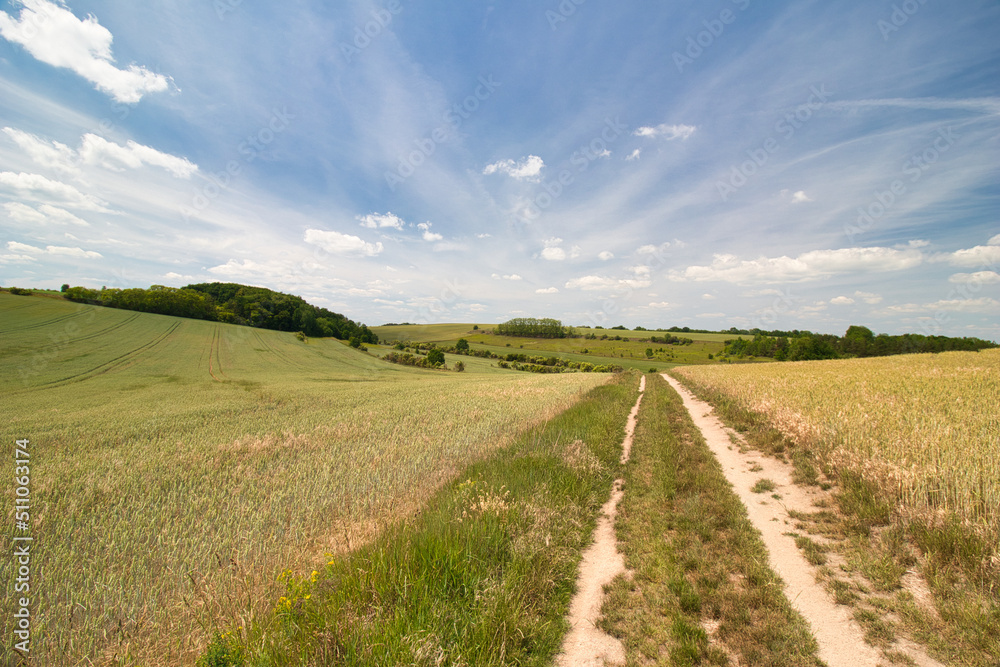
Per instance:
{"type": "Point", "coordinates": [530, 327]}
{"type": "Point", "coordinates": [230, 303]}
{"type": "Point", "coordinates": [858, 341]}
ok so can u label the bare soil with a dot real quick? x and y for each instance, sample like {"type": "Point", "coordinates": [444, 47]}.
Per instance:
{"type": "Point", "coordinates": [840, 637]}
{"type": "Point", "coordinates": [586, 645]}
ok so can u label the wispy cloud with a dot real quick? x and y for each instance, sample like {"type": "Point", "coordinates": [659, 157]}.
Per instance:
{"type": "Point", "coordinates": [39, 188]}
{"type": "Point", "coordinates": [668, 132]}
{"type": "Point", "coordinates": [813, 265]}
{"type": "Point", "coordinates": [381, 220]}
{"type": "Point", "coordinates": [342, 244]}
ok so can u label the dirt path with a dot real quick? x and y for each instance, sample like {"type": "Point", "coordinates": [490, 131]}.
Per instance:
{"type": "Point", "coordinates": [586, 645]}
{"type": "Point", "coordinates": [841, 639]}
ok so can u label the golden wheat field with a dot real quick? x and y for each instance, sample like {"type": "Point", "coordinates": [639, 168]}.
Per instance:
{"type": "Point", "coordinates": [925, 427]}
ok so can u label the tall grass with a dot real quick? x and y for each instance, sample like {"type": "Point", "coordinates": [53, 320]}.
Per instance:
{"type": "Point", "coordinates": [702, 591]}
{"type": "Point", "coordinates": [924, 428]}
{"type": "Point", "coordinates": [481, 577]}
{"type": "Point", "coordinates": [180, 465]}
{"type": "Point", "coordinates": [913, 443]}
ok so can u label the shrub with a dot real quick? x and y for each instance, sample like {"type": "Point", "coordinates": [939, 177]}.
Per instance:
{"type": "Point", "coordinates": [462, 345]}
{"type": "Point", "coordinates": [435, 356]}
{"type": "Point", "coordinates": [459, 366]}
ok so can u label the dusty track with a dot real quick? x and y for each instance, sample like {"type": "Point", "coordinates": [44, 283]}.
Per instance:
{"type": "Point", "coordinates": [586, 645]}
{"type": "Point", "coordinates": [841, 639]}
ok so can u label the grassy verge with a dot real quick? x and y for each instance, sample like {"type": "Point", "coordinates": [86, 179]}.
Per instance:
{"type": "Point", "coordinates": [482, 576]}
{"type": "Point", "coordinates": [881, 548]}
{"type": "Point", "coordinates": [702, 591]}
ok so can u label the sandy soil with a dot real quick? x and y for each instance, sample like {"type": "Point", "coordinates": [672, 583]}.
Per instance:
{"type": "Point", "coordinates": [841, 639]}
{"type": "Point", "coordinates": [586, 645]}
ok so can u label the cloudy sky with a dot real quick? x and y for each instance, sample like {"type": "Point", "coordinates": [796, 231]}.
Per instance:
{"type": "Point", "coordinates": [709, 164]}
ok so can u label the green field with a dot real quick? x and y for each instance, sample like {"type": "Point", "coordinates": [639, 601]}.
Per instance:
{"type": "Point", "coordinates": [630, 352]}
{"type": "Point", "coordinates": [179, 465]}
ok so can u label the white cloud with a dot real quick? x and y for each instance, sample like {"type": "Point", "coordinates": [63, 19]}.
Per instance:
{"type": "Point", "coordinates": [52, 155]}
{"type": "Point", "coordinates": [547, 290]}
{"type": "Point", "coordinates": [660, 305]}
{"type": "Point", "coordinates": [606, 255]}
{"type": "Point", "coordinates": [652, 249]}
{"type": "Point", "coordinates": [800, 197]}
{"type": "Point", "coordinates": [484, 236]}
{"type": "Point", "coordinates": [594, 283]}
{"type": "Point", "coordinates": [528, 169]}
{"type": "Point", "coordinates": [977, 278]}
{"type": "Point", "coordinates": [40, 188]}
{"type": "Point", "coordinates": [554, 254]}
{"type": "Point", "coordinates": [514, 277]}
{"type": "Point", "coordinates": [869, 298]}
{"type": "Point", "coordinates": [380, 220]}
{"type": "Point", "coordinates": [634, 155]}
{"type": "Point", "coordinates": [708, 297]}
{"type": "Point", "coordinates": [53, 35]}
{"type": "Point", "coordinates": [812, 265]}
{"type": "Point", "coordinates": [14, 246]}
{"type": "Point", "coordinates": [979, 256]}
{"type": "Point", "coordinates": [95, 150]}
{"type": "Point", "coordinates": [72, 252]}
{"type": "Point", "coordinates": [983, 305]}
{"type": "Point", "coordinates": [842, 301]}
{"type": "Point", "coordinates": [425, 227]}
{"type": "Point", "coordinates": [99, 151]}
{"type": "Point", "coordinates": [668, 132]}
{"type": "Point", "coordinates": [342, 244]}
{"type": "Point", "coordinates": [44, 215]}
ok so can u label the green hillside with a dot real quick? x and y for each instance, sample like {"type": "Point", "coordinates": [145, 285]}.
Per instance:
{"type": "Point", "coordinates": [629, 351]}
{"type": "Point", "coordinates": [179, 464]}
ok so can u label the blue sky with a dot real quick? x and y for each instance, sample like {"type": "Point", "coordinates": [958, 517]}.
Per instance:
{"type": "Point", "coordinates": [705, 164]}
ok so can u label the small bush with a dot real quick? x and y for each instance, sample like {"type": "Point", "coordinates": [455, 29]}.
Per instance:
{"type": "Point", "coordinates": [459, 367]}
{"type": "Point", "coordinates": [763, 486]}
{"type": "Point", "coordinates": [222, 652]}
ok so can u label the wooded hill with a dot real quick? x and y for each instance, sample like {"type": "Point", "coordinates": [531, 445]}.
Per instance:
{"type": "Point", "coordinates": [231, 303]}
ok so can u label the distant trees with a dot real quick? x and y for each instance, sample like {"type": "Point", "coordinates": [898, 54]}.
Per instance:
{"type": "Point", "coordinates": [530, 327]}
{"type": "Point", "coordinates": [858, 341]}
{"type": "Point", "coordinates": [462, 345]}
{"type": "Point", "coordinates": [232, 303]}
{"type": "Point", "coordinates": [435, 356]}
